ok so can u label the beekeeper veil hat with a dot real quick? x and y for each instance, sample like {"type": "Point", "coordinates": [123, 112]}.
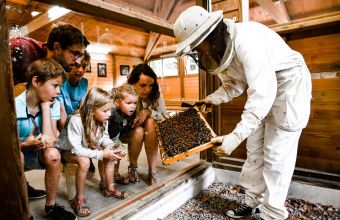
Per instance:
{"type": "Point", "coordinates": [193, 26]}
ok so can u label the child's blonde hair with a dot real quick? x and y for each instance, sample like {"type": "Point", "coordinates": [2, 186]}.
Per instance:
{"type": "Point", "coordinates": [121, 91]}
{"type": "Point", "coordinates": [95, 98]}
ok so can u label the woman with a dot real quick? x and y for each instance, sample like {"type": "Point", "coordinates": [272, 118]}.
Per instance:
{"type": "Point", "coordinates": [150, 108]}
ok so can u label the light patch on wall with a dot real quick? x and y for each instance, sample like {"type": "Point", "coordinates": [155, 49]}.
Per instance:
{"type": "Point", "coordinates": [100, 48]}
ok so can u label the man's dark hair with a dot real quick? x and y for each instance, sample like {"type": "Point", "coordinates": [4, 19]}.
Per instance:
{"type": "Point", "coordinates": [66, 35]}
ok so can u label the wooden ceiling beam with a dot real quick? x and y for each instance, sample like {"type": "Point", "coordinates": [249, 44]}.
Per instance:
{"type": "Point", "coordinates": [39, 22]}
{"type": "Point", "coordinates": [283, 8]}
{"type": "Point", "coordinates": [177, 4]}
{"type": "Point", "coordinates": [116, 39]}
{"type": "Point", "coordinates": [128, 51]}
{"type": "Point", "coordinates": [327, 18]}
{"type": "Point", "coordinates": [278, 10]}
{"type": "Point", "coordinates": [156, 8]}
{"type": "Point", "coordinates": [116, 13]}
{"type": "Point", "coordinates": [152, 43]}
{"type": "Point", "coordinates": [167, 10]}
{"type": "Point", "coordinates": [19, 2]}
{"type": "Point", "coordinates": [165, 50]}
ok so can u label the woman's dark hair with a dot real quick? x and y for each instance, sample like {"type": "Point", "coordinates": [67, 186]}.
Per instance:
{"type": "Point", "coordinates": [145, 69]}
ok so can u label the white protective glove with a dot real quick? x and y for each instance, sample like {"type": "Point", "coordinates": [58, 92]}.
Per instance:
{"type": "Point", "coordinates": [228, 144]}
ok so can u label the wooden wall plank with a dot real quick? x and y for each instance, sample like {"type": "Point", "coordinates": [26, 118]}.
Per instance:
{"type": "Point", "coordinates": [232, 15]}
{"type": "Point", "coordinates": [102, 82]}
{"type": "Point", "coordinates": [307, 22]}
{"type": "Point", "coordinates": [172, 91]}
{"type": "Point", "coordinates": [226, 5]}
{"type": "Point", "coordinates": [321, 164]}
{"type": "Point", "coordinates": [326, 146]}
{"type": "Point", "coordinates": [170, 87]}
{"type": "Point", "coordinates": [113, 63]}
{"type": "Point", "coordinates": [191, 87]}
{"type": "Point", "coordinates": [322, 53]}
{"type": "Point", "coordinates": [321, 125]}
{"type": "Point", "coordinates": [325, 110]}
{"type": "Point", "coordinates": [326, 94]}
{"type": "Point", "coordinates": [126, 61]}
{"type": "Point", "coordinates": [333, 83]}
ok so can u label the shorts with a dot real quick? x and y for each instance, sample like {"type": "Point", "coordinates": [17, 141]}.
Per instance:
{"type": "Point", "coordinates": [32, 161]}
{"type": "Point", "coordinates": [124, 135]}
{"type": "Point", "coordinates": [62, 151]}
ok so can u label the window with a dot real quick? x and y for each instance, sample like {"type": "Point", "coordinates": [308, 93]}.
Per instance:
{"type": "Point", "coordinates": [165, 67]}
{"type": "Point", "coordinates": [190, 65]}
{"type": "Point", "coordinates": [156, 66]}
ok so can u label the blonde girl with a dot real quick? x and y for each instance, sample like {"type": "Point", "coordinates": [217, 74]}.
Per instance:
{"type": "Point", "coordinates": [86, 137]}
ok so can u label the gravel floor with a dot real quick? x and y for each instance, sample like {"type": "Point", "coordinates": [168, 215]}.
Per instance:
{"type": "Point", "coordinates": [213, 202]}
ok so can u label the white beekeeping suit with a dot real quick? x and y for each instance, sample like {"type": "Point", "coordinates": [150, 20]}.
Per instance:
{"type": "Point", "coordinates": [277, 107]}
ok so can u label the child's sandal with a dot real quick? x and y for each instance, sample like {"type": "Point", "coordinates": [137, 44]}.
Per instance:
{"type": "Point", "coordinates": [117, 194]}
{"type": "Point", "coordinates": [133, 174]}
{"type": "Point", "coordinates": [79, 207]}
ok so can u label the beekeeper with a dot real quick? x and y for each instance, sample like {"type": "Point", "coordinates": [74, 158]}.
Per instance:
{"type": "Point", "coordinates": [251, 56]}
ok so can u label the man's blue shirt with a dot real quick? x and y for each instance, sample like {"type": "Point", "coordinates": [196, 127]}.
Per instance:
{"type": "Point", "coordinates": [71, 95]}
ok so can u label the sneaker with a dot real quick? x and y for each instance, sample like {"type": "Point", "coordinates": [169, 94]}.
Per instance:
{"type": "Point", "coordinates": [35, 193]}
{"type": "Point", "coordinates": [242, 211]}
{"type": "Point", "coordinates": [58, 212]}
{"type": "Point", "coordinates": [92, 168]}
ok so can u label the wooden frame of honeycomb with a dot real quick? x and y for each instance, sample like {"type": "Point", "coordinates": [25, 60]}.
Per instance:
{"type": "Point", "coordinates": [172, 159]}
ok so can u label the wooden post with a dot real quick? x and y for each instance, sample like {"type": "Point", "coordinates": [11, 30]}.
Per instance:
{"type": "Point", "coordinates": [13, 191]}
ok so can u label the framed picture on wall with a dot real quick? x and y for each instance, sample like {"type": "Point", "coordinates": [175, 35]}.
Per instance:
{"type": "Point", "coordinates": [88, 68]}
{"type": "Point", "coordinates": [101, 69]}
{"type": "Point", "coordinates": [124, 70]}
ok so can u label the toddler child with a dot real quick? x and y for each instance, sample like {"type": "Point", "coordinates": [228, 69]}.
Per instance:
{"type": "Point", "coordinates": [123, 115]}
